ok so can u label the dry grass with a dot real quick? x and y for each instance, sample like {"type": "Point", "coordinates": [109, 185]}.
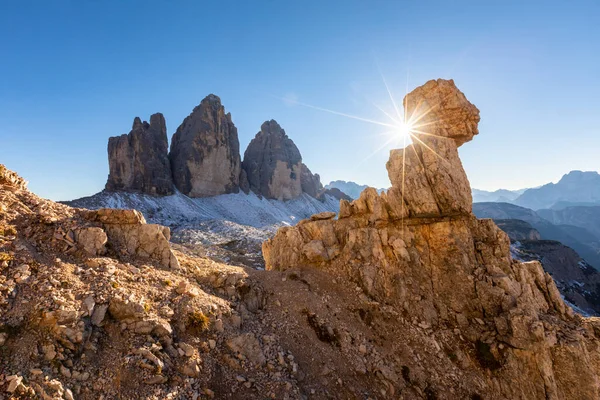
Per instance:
{"type": "Point", "coordinates": [197, 321]}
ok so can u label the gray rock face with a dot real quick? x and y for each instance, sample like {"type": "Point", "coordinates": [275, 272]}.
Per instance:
{"type": "Point", "coordinates": [334, 192]}
{"type": "Point", "coordinates": [310, 183]}
{"type": "Point", "coordinates": [273, 164]}
{"type": "Point", "coordinates": [205, 152]}
{"type": "Point", "coordinates": [138, 161]}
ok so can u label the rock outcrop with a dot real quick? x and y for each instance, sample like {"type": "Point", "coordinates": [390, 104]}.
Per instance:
{"type": "Point", "coordinates": [273, 164]}
{"type": "Point", "coordinates": [205, 152]}
{"type": "Point", "coordinates": [128, 233]}
{"type": "Point", "coordinates": [335, 193]}
{"type": "Point", "coordinates": [309, 182]}
{"type": "Point", "coordinates": [419, 251]}
{"type": "Point", "coordinates": [138, 161]}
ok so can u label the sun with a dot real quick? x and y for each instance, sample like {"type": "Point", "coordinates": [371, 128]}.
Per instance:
{"type": "Point", "coordinates": [403, 130]}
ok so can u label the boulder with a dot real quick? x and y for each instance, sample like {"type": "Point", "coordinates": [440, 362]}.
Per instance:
{"type": "Point", "coordinates": [205, 152]}
{"type": "Point", "coordinates": [92, 239]}
{"type": "Point", "coordinates": [138, 161]}
{"type": "Point", "coordinates": [128, 232]}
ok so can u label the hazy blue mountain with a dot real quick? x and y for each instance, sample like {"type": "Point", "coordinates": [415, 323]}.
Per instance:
{"type": "Point", "coordinates": [584, 242]}
{"type": "Point", "coordinates": [587, 217]}
{"type": "Point", "coordinates": [500, 195]}
{"type": "Point", "coordinates": [352, 189]}
{"type": "Point", "coordinates": [574, 188]}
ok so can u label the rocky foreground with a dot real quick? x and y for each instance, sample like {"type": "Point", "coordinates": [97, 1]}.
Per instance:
{"type": "Point", "coordinates": [406, 295]}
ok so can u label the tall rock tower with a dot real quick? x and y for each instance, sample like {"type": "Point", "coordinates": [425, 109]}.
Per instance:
{"type": "Point", "coordinates": [273, 164]}
{"type": "Point", "coordinates": [138, 161]}
{"type": "Point", "coordinates": [205, 152]}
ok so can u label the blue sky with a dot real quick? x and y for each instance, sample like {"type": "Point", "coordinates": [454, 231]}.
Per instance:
{"type": "Point", "coordinates": [74, 73]}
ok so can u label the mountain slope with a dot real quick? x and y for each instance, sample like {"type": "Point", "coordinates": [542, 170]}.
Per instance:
{"type": "Point", "coordinates": [500, 195]}
{"type": "Point", "coordinates": [587, 217]}
{"type": "Point", "coordinates": [229, 228]}
{"type": "Point", "coordinates": [574, 187]}
{"type": "Point", "coordinates": [240, 208]}
{"type": "Point", "coordinates": [578, 282]}
{"type": "Point", "coordinates": [568, 235]}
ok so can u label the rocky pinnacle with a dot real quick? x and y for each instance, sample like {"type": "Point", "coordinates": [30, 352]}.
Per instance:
{"type": "Point", "coordinates": [205, 152]}
{"type": "Point", "coordinates": [138, 161]}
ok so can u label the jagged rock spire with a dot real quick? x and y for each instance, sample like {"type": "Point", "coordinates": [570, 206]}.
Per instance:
{"type": "Point", "coordinates": [273, 164]}
{"type": "Point", "coordinates": [138, 161]}
{"type": "Point", "coordinates": [205, 152]}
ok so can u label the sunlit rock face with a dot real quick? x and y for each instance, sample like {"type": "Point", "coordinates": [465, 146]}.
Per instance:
{"type": "Point", "coordinates": [138, 161]}
{"type": "Point", "coordinates": [205, 152]}
{"type": "Point", "coordinates": [273, 164]}
{"type": "Point", "coordinates": [418, 251]}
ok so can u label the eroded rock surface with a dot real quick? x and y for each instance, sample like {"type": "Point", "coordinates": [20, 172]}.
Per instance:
{"type": "Point", "coordinates": [419, 250]}
{"type": "Point", "coordinates": [205, 152]}
{"type": "Point", "coordinates": [309, 182]}
{"type": "Point", "coordinates": [273, 164]}
{"type": "Point", "coordinates": [128, 232]}
{"type": "Point", "coordinates": [138, 161]}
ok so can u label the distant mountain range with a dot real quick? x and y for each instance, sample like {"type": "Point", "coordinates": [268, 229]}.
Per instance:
{"type": "Point", "coordinates": [577, 188]}
{"type": "Point", "coordinates": [579, 237]}
{"type": "Point", "coordinates": [352, 189]}
{"type": "Point", "coordinates": [500, 195]}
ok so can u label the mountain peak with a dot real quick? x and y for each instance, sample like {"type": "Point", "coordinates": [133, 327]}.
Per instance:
{"type": "Point", "coordinates": [580, 176]}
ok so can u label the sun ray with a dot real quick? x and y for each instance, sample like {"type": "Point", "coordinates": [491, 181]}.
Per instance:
{"type": "Point", "coordinates": [338, 113]}
{"type": "Point", "coordinates": [385, 112]}
{"type": "Point", "coordinates": [427, 147]}
{"type": "Point", "coordinates": [384, 145]}
{"type": "Point", "coordinates": [390, 94]}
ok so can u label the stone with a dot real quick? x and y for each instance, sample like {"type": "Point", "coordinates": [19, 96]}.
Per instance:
{"type": "Point", "coordinates": [248, 346]}
{"type": "Point", "coordinates": [205, 152]}
{"type": "Point", "coordinates": [14, 383]}
{"type": "Point", "coordinates": [138, 161]}
{"type": "Point", "coordinates": [121, 309]}
{"type": "Point", "coordinates": [323, 216]}
{"type": "Point", "coordinates": [92, 239]}
{"type": "Point", "coordinates": [273, 164]}
{"type": "Point", "coordinates": [99, 314]}
{"type": "Point", "coordinates": [188, 350]}
{"type": "Point", "coordinates": [128, 231]}
{"type": "Point", "coordinates": [114, 216]}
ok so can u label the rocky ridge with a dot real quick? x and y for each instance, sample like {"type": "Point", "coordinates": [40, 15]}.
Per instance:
{"type": "Point", "coordinates": [204, 159]}
{"type": "Point", "coordinates": [421, 253]}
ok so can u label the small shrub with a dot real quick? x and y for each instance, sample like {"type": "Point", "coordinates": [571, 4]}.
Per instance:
{"type": "Point", "coordinates": [197, 321]}
{"type": "Point", "coordinates": [114, 284]}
